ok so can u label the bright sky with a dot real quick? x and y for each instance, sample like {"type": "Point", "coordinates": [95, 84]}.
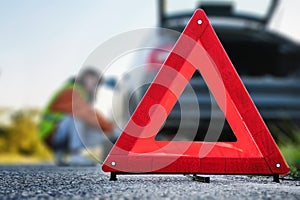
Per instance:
{"type": "Point", "coordinates": [43, 42]}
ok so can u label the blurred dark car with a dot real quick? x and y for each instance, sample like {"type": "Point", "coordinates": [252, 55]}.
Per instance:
{"type": "Point", "coordinates": [268, 63]}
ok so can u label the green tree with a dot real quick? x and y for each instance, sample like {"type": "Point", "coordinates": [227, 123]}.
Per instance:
{"type": "Point", "coordinates": [22, 137]}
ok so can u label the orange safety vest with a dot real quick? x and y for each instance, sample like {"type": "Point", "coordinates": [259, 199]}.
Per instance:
{"type": "Point", "coordinates": [50, 119]}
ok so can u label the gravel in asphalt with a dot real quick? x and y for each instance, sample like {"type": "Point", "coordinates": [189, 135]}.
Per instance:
{"type": "Point", "coordinates": [51, 182]}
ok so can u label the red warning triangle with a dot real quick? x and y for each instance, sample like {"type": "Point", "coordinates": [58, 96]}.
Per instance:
{"type": "Point", "coordinates": [254, 152]}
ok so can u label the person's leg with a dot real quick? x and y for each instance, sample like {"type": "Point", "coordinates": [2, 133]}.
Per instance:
{"type": "Point", "coordinates": [73, 135]}
{"type": "Point", "coordinates": [67, 136]}
{"type": "Point", "coordinates": [60, 140]}
{"type": "Point", "coordinates": [94, 140]}
{"type": "Point", "coordinates": [70, 138]}
{"type": "Point", "coordinates": [91, 139]}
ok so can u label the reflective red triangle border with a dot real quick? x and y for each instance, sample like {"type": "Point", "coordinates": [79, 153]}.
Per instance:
{"type": "Point", "coordinates": [254, 152]}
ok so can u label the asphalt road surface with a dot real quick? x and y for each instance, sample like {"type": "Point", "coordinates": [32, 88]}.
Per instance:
{"type": "Point", "coordinates": [44, 182]}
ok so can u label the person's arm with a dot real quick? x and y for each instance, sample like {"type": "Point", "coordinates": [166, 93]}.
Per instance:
{"type": "Point", "coordinates": [72, 102]}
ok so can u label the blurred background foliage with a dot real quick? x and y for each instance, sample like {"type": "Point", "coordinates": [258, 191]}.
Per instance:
{"type": "Point", "coordinates": [19, 142]}
{"type": "Point", "coordinates": [287, 136]}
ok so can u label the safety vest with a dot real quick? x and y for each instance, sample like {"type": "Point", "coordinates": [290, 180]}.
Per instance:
{"type": "Point", "coordinates": [50, 119]}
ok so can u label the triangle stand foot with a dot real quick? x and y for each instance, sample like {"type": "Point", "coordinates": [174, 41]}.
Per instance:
{"type": "Point", "coordinates": [276, 178]}
{"type": "Point", "coordinates": [197, 178]}
{"type": "Point", "coordinates": [113, 176]}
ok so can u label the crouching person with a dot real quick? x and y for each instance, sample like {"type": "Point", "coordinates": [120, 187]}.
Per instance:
{"type": "Point", "coordinates": [69, 124]}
